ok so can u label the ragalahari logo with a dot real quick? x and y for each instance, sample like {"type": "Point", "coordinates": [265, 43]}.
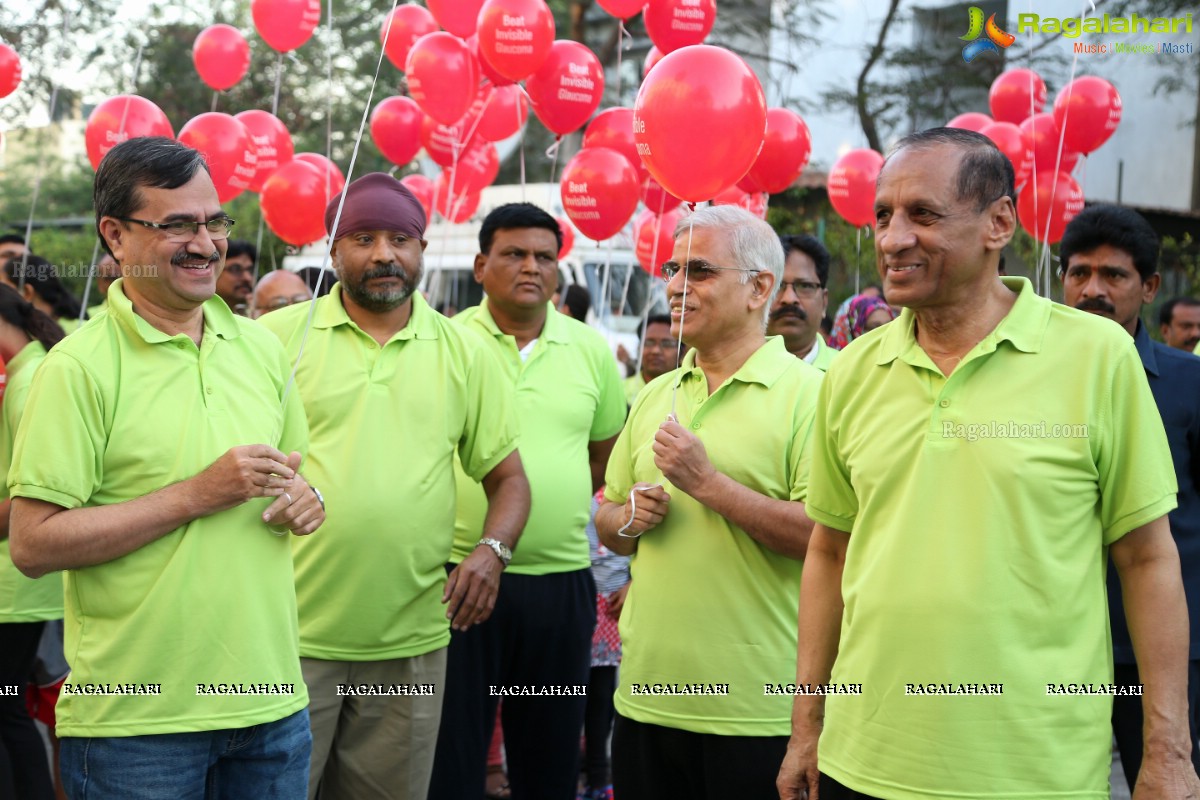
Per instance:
{"type": "Point", "coordinates": [996, 39]}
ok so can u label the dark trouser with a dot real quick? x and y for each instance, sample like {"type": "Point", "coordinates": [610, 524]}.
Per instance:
{"type": "Point", "coordinates": [1127, 718]}
{"type": "Point", "coordinates": [598, 724]}
{"type": "Point", "coordinates": [539, 635]}
{"type": "Point", "coordinates": [652, 762]}
{"type": "Point", "coordinates": [24, 772]}
{"type": "Point", "coordinates": [829, 789]}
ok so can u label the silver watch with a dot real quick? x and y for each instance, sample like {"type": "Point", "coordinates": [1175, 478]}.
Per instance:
{"type": "Point", "coordinates": [498, 547]}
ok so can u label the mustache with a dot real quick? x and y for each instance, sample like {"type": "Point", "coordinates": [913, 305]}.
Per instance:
{"type": "Point", "coordinates": [1096, 304]}
{"type": "Point", "coordinates": [183, 255]}
{"type": "Point", "coordinates": [392, 270]}
{"type": "Point", "coordinates": [789, 311]}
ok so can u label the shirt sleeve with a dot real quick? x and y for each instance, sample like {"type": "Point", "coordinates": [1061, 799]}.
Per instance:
{"type": "Point", "coordinates": [10, 416]}
{"type": "Point", "coordinates": [1136, 473]}
{"type": "Point", "coordinates": [800, 455]}
{"type": "Point", "coordinates": [60, 442]}
{"type": "Point", "coordinates": [829, 498]}
{"type": "Point", "coordinates": [611, 407]}
{"type": "Point", "coordinates": [618, 476]}
{"type": "Point", "coordinates": [490, 432]}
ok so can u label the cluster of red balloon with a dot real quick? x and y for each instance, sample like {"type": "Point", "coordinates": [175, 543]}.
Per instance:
{"type": "Point", "coordinates": [10, 70]}
{"type": "Point", "coordinates": [1045, 147]}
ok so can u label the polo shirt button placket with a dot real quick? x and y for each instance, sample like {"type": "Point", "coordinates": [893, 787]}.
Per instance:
{"type": "Point", "coordinates": [944, 403]}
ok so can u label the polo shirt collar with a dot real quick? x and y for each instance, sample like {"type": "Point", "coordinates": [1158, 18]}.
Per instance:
{"type": "Point", "coordinates": [218, 319]}
{"type": "Point", "coordinates": [330, 312]}
{"type": "Point", "coordinates": [1145, 348]}
{"type": "Point", "coordinates": [1024, 326]}
{"type": "Point", "coordinates": [555, 329]}
{"type": "Point", "coordinates": [764, 366]}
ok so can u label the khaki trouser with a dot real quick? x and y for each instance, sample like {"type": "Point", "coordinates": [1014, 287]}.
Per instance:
{"type": "Point", "coordinates": [373, 746]}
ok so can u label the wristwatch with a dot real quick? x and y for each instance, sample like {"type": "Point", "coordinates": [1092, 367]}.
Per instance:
{"type": "Point", "coordinates": [498, 547]}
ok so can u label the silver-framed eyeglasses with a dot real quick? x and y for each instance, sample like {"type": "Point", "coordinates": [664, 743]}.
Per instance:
{"type": "Point", "coordinates": [184, 230]}
{"type": "Point", "coordinates": [801, 288]}
{"type": "Point", "coordinates": [698, 270]}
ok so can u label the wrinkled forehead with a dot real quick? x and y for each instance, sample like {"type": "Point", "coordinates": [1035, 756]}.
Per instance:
{"type": "Point", "coordinates": [920, 173]}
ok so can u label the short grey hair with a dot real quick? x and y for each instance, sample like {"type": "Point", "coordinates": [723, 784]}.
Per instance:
{"type": "Point", "coordinates": [753, 242]}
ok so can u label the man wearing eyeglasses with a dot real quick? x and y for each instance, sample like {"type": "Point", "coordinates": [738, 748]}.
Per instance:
{"type": "Point", "coordinates": [236, 282]}
{"type": "Point", "coordinates": [278, 289]}
{"type": "Point", "coordinates": [802, 299]}
{"type": "Point", "coordinates": [704, 489]}
{"type": "Point", "coordinates": [158, 467]}
{"type": "Point", "coordinates": [660, 355]}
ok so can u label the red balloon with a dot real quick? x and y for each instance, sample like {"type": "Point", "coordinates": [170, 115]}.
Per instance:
{"type": "Point", "coordinates": [422, 189]}
{"type": "Point", "coordinates": [457, 16]}
{"type": "Point", "coordinates": [567, 88]}
{"type": "Point", "coordinates": [503, 114]}
{"type": "Point", "coordinates": [443, 76]}
{"type": "Point", "coordinates": [787, 145]}
{"type": "Point", "coordinates": [227, 148]}
{"type": "Point", "coordinates": [293, 203]}
{"type": "Point", "coordinates": [476, 168]}
{"type": "Point", "coordinates": [126, 116]}
{"type": "Point", "coordinates": [10, 70]}
{"type": "Point", "coordinates": [657, 199]}
{"type": "Point", "coordinates": [655, 239]}
{"type": "Point", "coordinates": [851, 186]}
{"type": "Point", "coordinates": [613, 128]}
{"type": "Point", "coordinates": [1042, 137]}
{"type": "Point", "coordinates": [396, 129]}
{"type": "Point", "coordinates": [456, 206]}
{"type": "Point", "coordinates": [514, 36]}
{"type": "Point", "coordinates": [1011, 141]}
{"type": "Point", "coordinates": [486, 69]}
{"type": "Point", "coordinates": [672, 24]}
{"type": "Point", "coordinates": [271, 140]}
{"type": "Point", "coordinates": [285, 24]}
{"type": "Point", "coordinates": [970, 121]}
{"type": "Point", "coordinates": [441, 142]}
{"type": "Point", "coordinates": [707, 86]}
{"type": "Point", "coordinates": [1088, 110]}
{"type": "Point", "coordinates": [1058, 199]}
{"type": "Point", "coordinates": [622, 9]}
{"type": "Point", "coordinates": [568, 237]}
{"type": "Point", "coordinates": [402, 28]}
{"type": "Point", "coordinates": [599, 191]}
{"type": "Point", "coordinates": [326, 169]}
{"type": "Point", "coordinates": [1016, 95]}
{"type": "Point", "coordinates": [652, 57]}
{"type": "Point", "coordinates": [221, 56]}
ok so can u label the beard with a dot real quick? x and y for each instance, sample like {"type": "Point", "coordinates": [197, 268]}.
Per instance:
{"type": "Point", "coordinates": [380, 301]}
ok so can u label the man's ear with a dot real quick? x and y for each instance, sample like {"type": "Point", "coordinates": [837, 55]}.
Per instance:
{"type": "Point", "coordinates": [480, 261]}
{"type": "Point", "coordinates": [762, 283]}
{"type": "Point", "coordinates": [114, 233]}
{"type": "Point", "coordinates": [1150, 288]}
{"type": "Point", "coordinates": [1002, 223]}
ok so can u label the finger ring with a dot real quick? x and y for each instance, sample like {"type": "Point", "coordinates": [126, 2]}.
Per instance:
{"type": "Point", "coordinates": [289, 497]}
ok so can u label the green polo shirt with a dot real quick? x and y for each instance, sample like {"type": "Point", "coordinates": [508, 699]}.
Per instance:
{"type": "Point", "coordinates": [568, 393]}
{"type": "Point", "coordinates": [632, 385]}
{"type": "Point", "coordinates": [825, 354]}
{"type": "Point", "coordinates": [120, 409]}
{"type": "Point", "coordinates": [22, 599]}
{"type": "Point", "coordinates": [980, 508]}
{"type": "Point", "coordinates": [385, 424]}
{"type": "Point", "coordinates": [708, 604]}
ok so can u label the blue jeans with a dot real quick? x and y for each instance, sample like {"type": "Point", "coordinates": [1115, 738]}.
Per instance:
{"type": "Point", "coordinates": [262, 762]}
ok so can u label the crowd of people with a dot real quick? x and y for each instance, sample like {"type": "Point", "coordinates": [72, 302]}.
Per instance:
{"type": "Point", "coordinates": [289, 536]}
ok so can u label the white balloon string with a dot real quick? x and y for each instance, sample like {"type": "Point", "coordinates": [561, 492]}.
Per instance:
{"type": "Point", "coordinates": [633, 511]}
{"type": "Point", "coordinates": [857, 260]}
{"type": "Point", "coordinates": [620, 42]}
{"type": "Point", "coordinates": [337, 217]}
{"type": "Point", "coordinates": [604, 306]}
{"type": "Point", "coordinates": [682, 314]}
{"type": "Point", "coordinates": [625, 289]}
{"type": "Point", "coordinates": [1044, 271]}
{"type": "Point", "coordinates": [279, 83]}
{"type": "Point", "coordinates": [214, 102]}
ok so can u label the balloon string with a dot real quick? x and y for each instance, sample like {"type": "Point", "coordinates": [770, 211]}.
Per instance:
{"type": "Point", "coordinates": [329, 99]}
{"type": "Point", "coordinates": [41, 164]}
{"type": "Point", "coordinates": [605, 306]}
{"type": "Point", "coordinates": [337, 218]}
{"type": "Point", "coordinates": [620, 42]}
{"type": "Point", "coordinates": [857, 259]}
{"type": "Point", "coordinates": [87, 285]}
{"type": "Point", "coordinates": [1045, 273]}
{"type": "Point", "coordinates": [214, 102]}
{"type": "Point", "coordinates": [279, 83]}
{"type": "Point", "coordinates": [682, 314]}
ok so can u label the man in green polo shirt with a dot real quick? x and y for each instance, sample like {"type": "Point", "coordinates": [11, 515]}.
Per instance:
{"type": "Point", "coordinates": [393, 392]}
{"type": "Point", "coordinates": [974, 463]}
{"type": "Point", "coordinates": [156, 464]}
{"type": "Point", "coordinates": [802, 299]}
{"type": "Point", "coordinates": [704, 492]}
{"type": "Point", "coordinates": [538, 641]}
{"type": "Point", "coordinates": [660, 355]}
